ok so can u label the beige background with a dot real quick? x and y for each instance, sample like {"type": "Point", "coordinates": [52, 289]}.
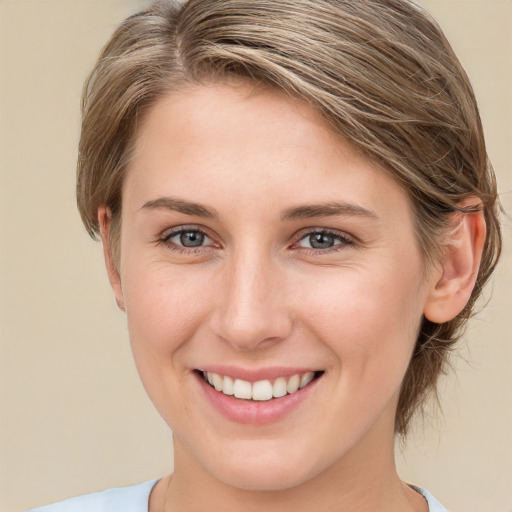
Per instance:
{"type": "Point", "coordinates": [73, 416]}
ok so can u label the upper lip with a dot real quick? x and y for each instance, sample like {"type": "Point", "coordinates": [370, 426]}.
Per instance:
{"type": "Point", "coordinates": [256, 374]}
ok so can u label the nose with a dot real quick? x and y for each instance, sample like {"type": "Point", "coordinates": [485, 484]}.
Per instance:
{"type": "Point", "coordinates": [251, 308]}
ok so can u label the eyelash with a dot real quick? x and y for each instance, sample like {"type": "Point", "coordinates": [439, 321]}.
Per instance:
{"type": "Point", "coordinates": [165, 240]}
{"type": "Point", "coordinates": [343, 241]}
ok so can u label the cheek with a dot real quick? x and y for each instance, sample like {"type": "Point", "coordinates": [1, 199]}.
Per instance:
{"type": "Point", "coordinates": [163, 312]}
{"type": "Point", "coordinates": [164, 308]}
{"type": "Point", "coordinates": [369, 320]}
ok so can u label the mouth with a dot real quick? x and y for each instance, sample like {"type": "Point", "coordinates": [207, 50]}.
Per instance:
{"type": "Point", "coordinates": [261, 390]}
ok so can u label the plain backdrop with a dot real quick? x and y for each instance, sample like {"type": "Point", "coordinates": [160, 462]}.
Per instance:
{"type": "Point", "coordinates": [73, 416]}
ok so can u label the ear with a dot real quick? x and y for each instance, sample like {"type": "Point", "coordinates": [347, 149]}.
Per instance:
{"type": "Point", "coordinates": [455, 277]}
{"type": "Point", "coordinates": [105, 222]}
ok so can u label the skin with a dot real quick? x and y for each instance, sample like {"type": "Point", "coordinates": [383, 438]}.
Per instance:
{"type": "Point", "coordinates": [257, 295]}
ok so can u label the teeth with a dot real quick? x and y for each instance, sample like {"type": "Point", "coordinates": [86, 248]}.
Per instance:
{"type": "Point", "coordinates": [293, 384]}
{"type": "Point", "coordinates": [242, 389]}
{"type": "Point", "coordinates": [306, 379]}
{"type": "Point", "coordinates": [279, 388]}
{"type": "Point", "coordinates": [228, 387]}
{"type": "Point", "coordinates": [261, 390]}
{"type": "Point", "coordinates": [218, 382]}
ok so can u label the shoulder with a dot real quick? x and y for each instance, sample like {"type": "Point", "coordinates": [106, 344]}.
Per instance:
{"type": "Point", "coordinates": [433, 504]}
{"type": "Point", "coordinates": [119, 499]}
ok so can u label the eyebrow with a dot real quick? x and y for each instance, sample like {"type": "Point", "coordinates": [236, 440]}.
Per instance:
{"type": "Point", "coordinates": [181, 206]}
{"type": "Point", "coordinates": [309, 211]}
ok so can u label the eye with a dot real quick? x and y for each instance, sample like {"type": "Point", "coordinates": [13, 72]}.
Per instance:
{"type": "Point", "coordinates": [187, 238]}
{"type": "Point", "coordinates": [324, 240]}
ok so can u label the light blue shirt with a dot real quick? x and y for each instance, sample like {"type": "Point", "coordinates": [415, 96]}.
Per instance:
{"type": "Point", "coordinates": [136, 498]}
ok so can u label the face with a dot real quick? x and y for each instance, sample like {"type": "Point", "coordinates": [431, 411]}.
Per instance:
{"type": "Point", "coordinates": [264, 254]}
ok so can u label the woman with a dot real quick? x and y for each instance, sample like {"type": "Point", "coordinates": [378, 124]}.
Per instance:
{"type": "Point", "coordinates": [297, 215]}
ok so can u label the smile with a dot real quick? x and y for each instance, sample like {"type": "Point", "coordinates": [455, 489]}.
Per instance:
{"type": "Point", "coordinates": [261, 390]}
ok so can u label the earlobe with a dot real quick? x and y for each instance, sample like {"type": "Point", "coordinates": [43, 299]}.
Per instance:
{"type": "Point", "coordinates": [455, 277]}
{"type": "Point", "coordinates": [105, 221]}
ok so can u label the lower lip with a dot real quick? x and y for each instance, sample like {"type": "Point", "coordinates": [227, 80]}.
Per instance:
{"type": "Point", "coordinates": [255, 412]}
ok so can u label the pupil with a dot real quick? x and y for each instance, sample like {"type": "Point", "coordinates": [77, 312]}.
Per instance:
{"type": "Point", "coordinates": [191, 239]}
{"type": "Point", "coordinates": [321, 241]}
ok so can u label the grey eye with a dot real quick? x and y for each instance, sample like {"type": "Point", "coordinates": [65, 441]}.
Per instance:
{"type": "Point", "coordinates": [191, 238]}
{"type": "Point", "coordinates": [321, 240]}
{"type": "Point", "coordinates": [188, 238]}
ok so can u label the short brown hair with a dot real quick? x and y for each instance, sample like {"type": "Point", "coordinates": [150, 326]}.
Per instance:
{"type": "Point", "coordinates": [380, 71]}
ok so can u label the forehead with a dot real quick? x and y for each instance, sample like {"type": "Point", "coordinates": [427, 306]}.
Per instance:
{"type": "Point", "coordinates": [236, 111]}
{"type": "Point", "coordinates": [256, 142]}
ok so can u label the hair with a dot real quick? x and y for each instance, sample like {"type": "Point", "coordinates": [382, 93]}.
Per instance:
{"type": "Point", "coordinates": [381, 73]}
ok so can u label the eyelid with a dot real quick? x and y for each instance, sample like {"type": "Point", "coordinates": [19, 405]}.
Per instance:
{"type": "Point", "coordinates": [344, 239]}
{"type": "Point", "coordinates": [172, 232]}
{"type": "Point", "coordinates": [165, 238]}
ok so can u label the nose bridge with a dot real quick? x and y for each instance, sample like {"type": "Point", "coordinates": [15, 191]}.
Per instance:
{"type": "Point", "coordinates": [251, 309]}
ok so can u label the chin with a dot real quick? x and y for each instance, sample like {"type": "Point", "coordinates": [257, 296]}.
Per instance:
{"type": "Point", "coordinates": [273, 478]}
{"type": "Point", "coordinates": [266, 468]}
